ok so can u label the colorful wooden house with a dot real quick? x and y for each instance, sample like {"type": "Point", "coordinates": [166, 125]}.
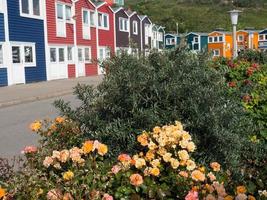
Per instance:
{"type": "Point", "coordinates": [105, 33]}
{"type": "Point", "coordinates": [220, 44]}
{"type": "Point", "coordinates": [22, 45]}
{"type": "Point", "coordinates": [247, 39]}
{"type": "Point", "coordinates": [122, 30]}
{"type": "Point", "coordinates": [262, 44]}
{"type": "Point", "coordinates": [135, 32]}
{"type": "Point", "coordinates": [116, 2]}
{"type": "Point", "coordinates": [170, 41]}
{"type": "Point", "coordinates": [158, 33]}
{"type": "Point", "coordinates": [197, 42]}
{"type": "Point", "coordinates": [146, 30]}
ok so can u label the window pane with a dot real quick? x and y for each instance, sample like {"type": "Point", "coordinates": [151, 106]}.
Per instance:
{"type": "Point", "coordinates": [68, 12]}
{"type": "Point", "coordinates": [25, 6]}
{"type": "Point", "coordinates": [70, 53]}
{"type": "Point", "coordinates": [28, 54]}
{"type": "Point", "coordinates": [100, 19]}
{"type": "Point", "coordinates": [1, 54]}
{"type": "Point", "coordinates": [125, 25]}
{"type": "Point", "coordinates": [61, 54]}
{"type": "Point", "coordinates": [105, 21]}
{"type": "Point", "coordinates": [16, 54]}
{"type": "Point", "coordinates": [261, 37]}
{"type": "Point", "coordinates": [87, 54]}
{"type": "Point", "coordinates": [92, 18]}
{"type": "Point", "coordinates": [220, 38]}
{"type": "Point", "coordinates": [210, 39]}
{"type": "Point", "coordinates": [107, 53]}
{"type": "Point", "coordinates": [215, 39]}
{"type": "Point", "coordinates": [85, 17]}
{"type": "Point", "coordinates": [59, 11]}
{"type": "Point", "coordinates": [101, 54]}
{"type": "Point", "coordinates": [36, 7]}
{"type": "Point", "coordinates": [53, 55]}
{"type": "Point", "coordinates": [80, 55]}
{"type": "Point", "coordinates": [121, 24]}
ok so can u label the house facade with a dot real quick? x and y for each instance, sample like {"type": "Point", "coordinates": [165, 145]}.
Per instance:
{"type": "Point", "coordinates": [22, 42]}
{"type": "Point", "coordinates": [135, 34]}
{"type": "Point", "coordinates": [158, 33]}
{"type": "Point", "coordinates": [197, 42]}
{"type": "Point", "coordinates": [170, 41]}
{"type": "Point", "coordinates": [146, 30]}
{"type": "Point", "coordinates": [220, 44]}
{"type": "Point", "coordinates": [247, 39]}
{"type": "Point", "coordinates": [262, 44]}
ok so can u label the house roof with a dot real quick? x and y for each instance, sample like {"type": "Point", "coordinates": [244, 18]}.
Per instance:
{"type": "Point", "coordinates": [117, 9]}
{"type": "Point", "coordinates": [142, 17]}
{"type": "Point", "coordinates": [198, 33]}
{"type": "Point", "coordinates": [98, 3]}
{"type": "Point", "coordinates": [130, 12]}
{"type": "Point", "coordinates": [221, 32]}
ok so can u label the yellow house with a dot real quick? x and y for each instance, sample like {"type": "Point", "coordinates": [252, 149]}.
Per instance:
{"type": "Point", "coordinates": [220, 44]}
{"type": "Point", "coordinates": [247, 39]}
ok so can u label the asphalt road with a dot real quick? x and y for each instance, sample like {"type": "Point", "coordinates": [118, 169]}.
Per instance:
{"type": "Point", "coordinates": [14, 124]}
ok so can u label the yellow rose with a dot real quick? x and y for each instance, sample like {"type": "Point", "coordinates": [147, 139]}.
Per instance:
{"type": "Point", "coordinates": [88, 146]}
{"type": "Point", "coordinates": [162, 151]}
{"type": "Point", "coordinates": [167, 156]}
{"type": "Point", "coordinates": [183, 155]}
{"type": "Point", "coordinates": [155, 163]}
{"type": "Point", "coordinates": [198, 175]}
{"type": "Point", "coordinates": [174, 163]}
{"type": "Point", "coordinates": [102, 149]}
{"type": "Point", "coordinates": [150, 155]}
{"type": "Point", "coordinates": [157, 130]}
{"type": "Point", "coordinates": [154, 171]}
{"type": "Point", "coordinates": [143, 139]}
{"type": "Point", "coordinates": [190, 165]}
{"type": "Point", "coordinates": [186, 136]}
{"type": "Point", "coordinates": [36, 126]}
{"type": "Point", "coordinates": [68, 175]}
{"type": "Point", "coordinates": [152, 145]}
{"type": "Point", "coordinates": [139, 163]}
{"type": "Point", "coordinates": [179, 125]}
{"type": "Point", "coordinates": [183, 144]}
{"type": "Point", "coordinates": [191, 146]}
{"type": "Point", "coordinates": [60, 120]}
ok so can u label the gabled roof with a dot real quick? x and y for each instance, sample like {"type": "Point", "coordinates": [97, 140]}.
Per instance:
{"type": "Point", "coordinates": [263, 31]}
{"type": "Point", "coordinates": [170, 34]}
{"type": "Point", "coordinates": [198, 33]}
{"type": "Point", "coordinates": [142, 17]}
{"type": "Point", "coordinates": [98, 3]}
{"type": "Point", "coordinates": [249, 31]}
{"type": "Point", "coordinates": [221, 32]}
{"type": "Point", "coordinates": [117, 9]}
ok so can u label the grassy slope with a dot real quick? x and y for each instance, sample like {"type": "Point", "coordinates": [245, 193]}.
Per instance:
{"type": "Point", "coordinates": [195, 17]}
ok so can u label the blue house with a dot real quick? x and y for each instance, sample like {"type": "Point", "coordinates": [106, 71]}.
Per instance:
{"type": "Point", "coordinates": [197, 41]}
{"type": "Point", "coordinates": [171, 41]}
{"type": "Point", "coordinates": [24, 48]}
{"type": "Point", "coordinates": [263, 40]}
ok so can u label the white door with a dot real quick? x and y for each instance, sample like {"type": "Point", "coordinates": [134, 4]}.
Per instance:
{"type": "Point", "coordinates": [58, 67]}
{"type": "Point", "coordinates": [81, 62]}
{"type": "Point", "coordinates": [18, 71]}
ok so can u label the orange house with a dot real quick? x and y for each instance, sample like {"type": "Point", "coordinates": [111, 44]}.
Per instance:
{"type": "Point", "coordinates": [220, 44]}
{"type": "Point", "coordinates": [247, 39]}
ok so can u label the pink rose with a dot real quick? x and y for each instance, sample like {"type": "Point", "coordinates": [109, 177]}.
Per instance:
{"type": "Point", "coordinates": [29, 149]}
{"type": "Point", "coordinates": [115, 169]}
{"type": "Point", "coordinates": [107, 197]}
{"type": "Point", "coordinates": [192, 195]}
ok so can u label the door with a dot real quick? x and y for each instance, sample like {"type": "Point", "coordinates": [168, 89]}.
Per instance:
{"type": "Point", "coordinates": [18, 72]}
{"type": "Point", "coordinates": [58, 67]}
{"type": "Point", "coordinates": [81, 62]}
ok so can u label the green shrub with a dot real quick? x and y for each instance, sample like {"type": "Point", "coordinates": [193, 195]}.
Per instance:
{"type": "Point", "coordinates": [136, 94]}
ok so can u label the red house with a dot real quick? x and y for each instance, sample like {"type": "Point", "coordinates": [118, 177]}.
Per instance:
{"type": "Point", "coordinates": [106, 32]}
{"type": "Point", "coordinates": [71, 38]}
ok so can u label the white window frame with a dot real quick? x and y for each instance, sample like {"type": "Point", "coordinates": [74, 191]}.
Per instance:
{"type": "Point", "coordinates": [92, 16]}
{"type": "Point", "coordinates": [122, 26]}
{"type": "Point", "coordinates": [106, 53]}
{"type": "Point", "coordinates": [88, 26]}
{"type": "Point", "coordinates": [262, 37]}
{"type": "Point", "coordinates": [64, 20]}
{"type": "Point", "coordinates": [57, 54]}
{"type": "Point", "coordinates": [160, 36]}
{"type": "Point", "coordinates": [2, 6]}
{"type": "Point", "coordinates": [21, 45]}
{"type": "Point", "coordinates": [31, 15]}
{"type": "Point", "coordinates": [219, 38]}
{"type": "Point", "coordinates": [210, 39]}
{"type": "Point", "coordinates": [2, 53]}
{"type": "Point", "coordinates": [135, 27]}
{"type": "Point", "coordinates": [196, 38]}
{"type": "Point", "coordinates": [169, 41]}
{"type": "Point", "coordinates": [56, 61]}
{"type": "Point", "coordinates": [90, 55]}
{"type": "Point", "coordinates": [216, 52]}
{"type": "Point", "coordinates": [72, 54]}
{"type": "Point", "coordinates": [239, 38]}
{"type": "Point", "coordinates": [64, 56]}
{"type": "Point", "coordinates": [102, 21]}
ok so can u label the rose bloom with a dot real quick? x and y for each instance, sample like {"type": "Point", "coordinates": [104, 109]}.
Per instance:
{"type": "Point", "coordinates": [102, 149]}
{"type": "Point", "coordinates": [179, 125]}
{"type": "Point", "coordinates": [36, 126]}
{"type": "Point", "coordinates": [190, 165]}
{"type": "Point", "coordinates": [183, 174]}
{"type": "Point", "coordinates": [75, 154]}
{"type": "Point", "coordinates": [48, 161]}
{"type": "Point", "coordinates": [241, 196]}
{"type": "Point", "coordinates": [241, 189]}
{"type": "Point", "coordinates": [232, 84]}
{"type": "Point", "coordinates": [209, 188]}
{"type": "Point", "coordinates": [115, 169]}
{"type": "Point", "coordinates": [220, 189]}
{"type": "Point", "coordinates": [68, 175]}
{"type": "Point", "coordinates": [183, 155]}
{"type": "Point", "coordinates": [107, 197]}
{"type": "Point", "coordinates": [154, 171]}
{"type": "Point", "coordinates": [174, 163]}
{"type": "Point", "coordinates": [192, 195]}
{"type": "Point", "coordinates": [250, 197]}
{"type": "Point", "coordinates": [54, 194]}
{"type": "Point", "coordinates": [215, 166]}
{"type": "Point", "coordinates": [162, 151]}
{"type": "Point", "coordinates": [124, 158]}
{"type": "Point", "coordinates": [228, 197]}
{"type": "Point", "coordinates": [167, 157]}
{"type": "Point", "coordinates": [88, 146]}
{"type": "Point", "coordinates": [2, 192]}
{"type": "Point", "coordinates": [56, 154]}
{"type": "Point", "coordinates": [198, 175]}
{"type": "Point", "coordinates": [155, 163]}
{"type": "Point", "coordinates": [183, 143]}
{"type": "Point", "coordinates": [64, 155]}
{"type": "Point", "coordinates": [143, 139]}
{"type": "Point", "coordinates": [211, 176]}
{"type": "Point", "coordinates": [136, 179]}
{"type": "Point", "coordinates": [57, 165]}
{"type": "Point", "coordinates": [29, 149]}
{"type": "Point", "coordinates": [210, 197]}
{"type": "Point", "coordinates": [150, 155]}
{"type": "Point", "coordinates": [60, 120]}
{"type": "Point", "coordinates": [186, 136]}
{"type": "Point", "coordinates": [156, 129]}
{"type": "Point", "coordinates": [139, 163]}
{"type": "Point", "coordinates": [152, 145]}
{"type": "Point", "coordinates": [191, 147]}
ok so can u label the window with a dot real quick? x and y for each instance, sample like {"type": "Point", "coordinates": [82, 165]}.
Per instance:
{"type": "Point", "coordinates": [16, 54]}
{"type": "Point", "coordinates": [240, 38]}
{"type": "Point", "coordinates": [196, 40]}
{"type": "Point", "coordinates": [68, 12]}
{"type": "Point", "coordinates": [210, 39]}
{"type": "Point", "coordinates": [1, 54]}
{"type": "Point", "coordinates": [61, 55]}
{"type": "Point", "coordinates": [160, 36]}
{"type": "Point", "coordinates": [60, 10]}
{"type": "Point", "coordinates": [220, 38]}
{"type": "Point", "coordinates": [92, 18]}
{"type": "Point", "coordinates": [261, 37]}
{"type": "Point", "coordinates": [53, 55]}
{"type": "Point", "coordinates": [64, 15]}
{"type": "Point", "coordinates": [123, 24]}
{"type": "Point", "coordinates": [215, 39]}
{"type": "Point", "coordinates": [135, 27]}
{"type": "Point", "coordinates": [103, 21]}
{"type": "Point", "coordinates": [86, 24]}
{"type": "Point", "coordinates": [265, 37]}
{"type": "Point", "coordinates": [104, 53]}
{"type": "Point", "coordinates": [80, 55]}
{"type": "Point", "coordinates": [170, 41]}
{"type": "Point", "coordinates": [70, 53]}
{"type": "Point", "coordinates": [1, 6]}
{"type": "Point", "coordinates": [87, 54]}
{"type": "Point", "coordinates": [216, 52]}
{"type": "Point", "coordinates": [30, 8]}
{"type": "Point", "coordinates": [28, 54]}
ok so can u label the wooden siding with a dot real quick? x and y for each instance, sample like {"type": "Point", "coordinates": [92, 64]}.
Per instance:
{"type": "Point", "coordinates": [71, 71]}
{"type": "Point", "coordinates": [2, 27]}
{"type": "Point", "coordinates": [51, 25]}
{"type": "Point", "coordinates": [106, 37]}
{"type": "Point", "coordinates": [90, 69]}
{"type": "Point", "coordinates": [3, 77]}
{"type": "Point", "coordinates": [24, 29]}
{"type": "Point", "coordinates": [122, 38]}
{"type": "Point", "coordinates": [136, 39]}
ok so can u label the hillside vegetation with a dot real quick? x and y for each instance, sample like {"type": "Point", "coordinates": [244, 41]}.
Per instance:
{"type": "Point", "coordinates": [201, 15]}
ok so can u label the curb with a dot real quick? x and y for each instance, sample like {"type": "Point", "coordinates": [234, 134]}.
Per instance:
{"type": "Point", "coordinates": [33, 99]}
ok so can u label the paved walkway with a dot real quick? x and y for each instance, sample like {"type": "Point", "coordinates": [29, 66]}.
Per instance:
{"type": "Point", "coordinates": [17, 94]}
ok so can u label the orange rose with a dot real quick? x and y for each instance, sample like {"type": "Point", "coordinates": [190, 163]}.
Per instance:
{"type": "Point", "coordinates": [136, 179]}
{"type": "Point", "coordinates": [124, 158]}
{"type": "Point", "coordinates": [36, 126]}
{"type": "Point", "coordinates": [102, 149]}
{"type": "Point", "coordinates": [143, 139]}
{"type": "Point", "coordinates": [228, 197]}
{"type": "Point", "coordinates": [198, 175]}
{"type": "Point", "coordinates": [183, 174]}
{"type": "Point", "coordinates": [60, 120]}
{"type": "Point", "coordinates": [215, 166]}
{"type": "Point", "coordinates": [88, 147]}
{"type": "Point", "coordinates": [241, 189]}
